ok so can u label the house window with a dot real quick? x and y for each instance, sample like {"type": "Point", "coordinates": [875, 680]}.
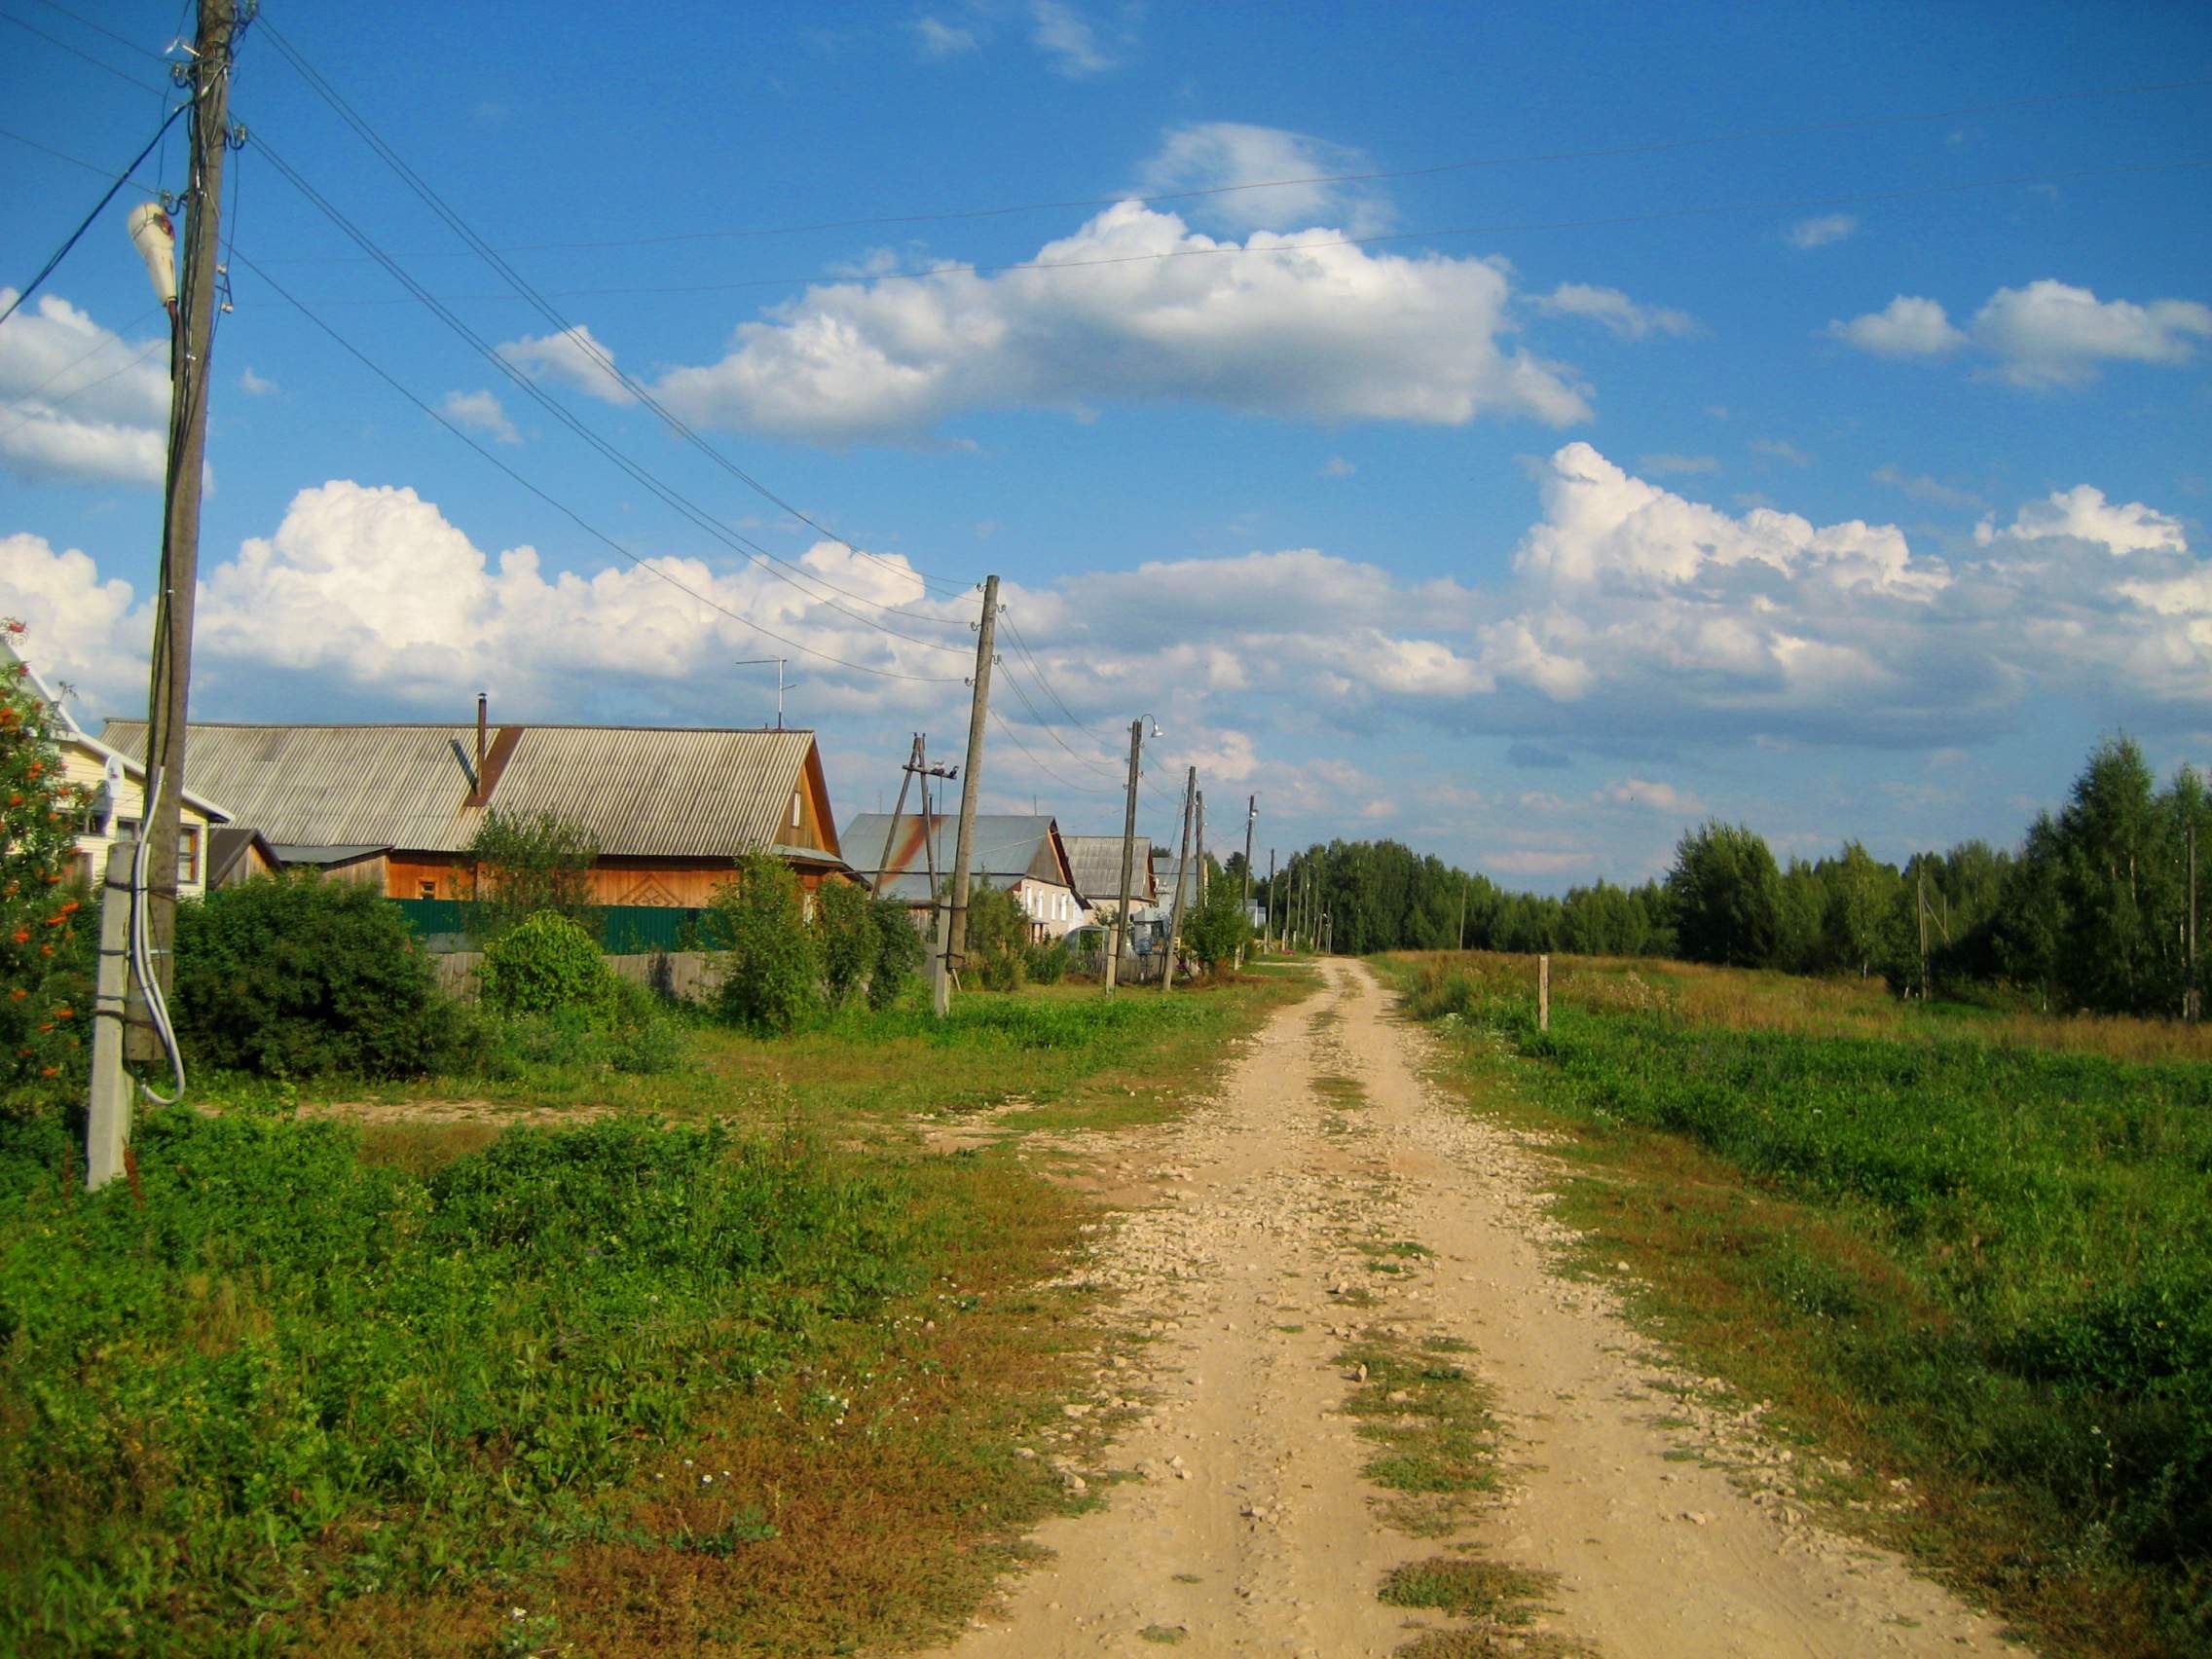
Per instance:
{"type": "Point", "coordinates": [795, 809]}
{"type": "Point", "coordinates": [187, 856]}
{"type": "Point", "coordinates": [426, 889]}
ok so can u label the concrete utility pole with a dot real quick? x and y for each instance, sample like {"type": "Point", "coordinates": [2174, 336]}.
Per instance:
{"type": "Point", "coordinates": [1199, 888]}
{"type": "Point", "coordinates": [1118, 941]}
{"type": "Point", "coordinates": [107, 1129]}
{"type": "Point", "coordinates": [192, 335]}
{"type": "Point", "coordinates": [1182, 871]}
{"type": "Point", "coordinates": [1267, 923]}
{"type": "Point", "coordinates": [957, 945]}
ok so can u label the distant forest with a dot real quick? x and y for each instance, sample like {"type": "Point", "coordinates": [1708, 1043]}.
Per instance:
{"type": "Point", "coordinates": [2092, 911]}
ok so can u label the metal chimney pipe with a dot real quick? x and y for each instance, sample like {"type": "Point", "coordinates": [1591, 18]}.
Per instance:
{"type": "Point", "coordinates": [483, 720]}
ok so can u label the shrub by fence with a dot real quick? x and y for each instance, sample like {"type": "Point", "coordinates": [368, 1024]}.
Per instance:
{"type": "Point", "coordinates": [687, 974]}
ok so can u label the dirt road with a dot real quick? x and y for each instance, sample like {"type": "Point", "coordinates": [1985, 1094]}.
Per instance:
{"type": "Point", "coordinates": [1248, 1526]}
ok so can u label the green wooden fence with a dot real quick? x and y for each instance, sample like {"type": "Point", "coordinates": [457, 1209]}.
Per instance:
{"type": "Point", "coordinates": [623, 929]}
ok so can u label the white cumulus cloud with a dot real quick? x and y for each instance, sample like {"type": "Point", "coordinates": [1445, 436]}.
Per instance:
{"type": "Point", "coordinates": [483, 412]}
{"type": "Point", "coordinates": [1151, 311]}
{"type": "Point", "coordinates": [1067, 40]}
{"type": "Point", "coordinates": [1262, 178]}
{"type": "Point", "coordinates": [1908, 327]}
{"type": "Point", "coordinates": [2053, 334]}
{"type": "Point", "coordinates": [1818, 232]}
{"type": "Point", "coordinates": [572, 357]}
{"type": "Point", "coordinates": [87, 405]}
{"type": "Point", "coordinates": [1612, 308]}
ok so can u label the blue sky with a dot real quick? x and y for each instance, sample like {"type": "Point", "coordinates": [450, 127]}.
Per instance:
{"type": "Point", "coordinates": [1795, 415]}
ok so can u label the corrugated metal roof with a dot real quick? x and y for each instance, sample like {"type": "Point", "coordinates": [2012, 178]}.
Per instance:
{"type": "Point", "coordinates": [1004, 847]}
{"type": "Point", "coordinates": [643, 791]}
{"type": "Point", "coordinates": [1097, 861]}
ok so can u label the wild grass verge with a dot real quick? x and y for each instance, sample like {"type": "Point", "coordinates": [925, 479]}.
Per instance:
{"type": "Point", "coordinates": [1981, 1265]}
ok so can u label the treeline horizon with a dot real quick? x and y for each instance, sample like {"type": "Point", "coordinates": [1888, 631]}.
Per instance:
{"type": "Point", "coordinates": [2093, 911]}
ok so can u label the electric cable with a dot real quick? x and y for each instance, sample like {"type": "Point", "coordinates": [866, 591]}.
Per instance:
{"type": "Point", "coordinates": [1013, 682]}
{"type": "Point", "coordinates": [1534, 158]}
{"type": "Point", "coordinates": [115, 339]}
{"type": "Point", "coordinates": [62, 252]}
{"type": "Point", "coordinates": [666, 492]}
{"type": "Point", "coordinates": [1007, 731]}
{"type": "Point", "coordinates": [562, 507]}
{"type": "Point", "coordinates": [51, 405]}
{"type": "Point", "coordinates": [140, 938]}
{"type": "Point", "coordinates": [514, 280]}
{"type": "Point", "coordinates": [77, 161]}
{"type": "Point", "coordinates": [78, 51]}
{"type": "Point", "coordinates": [123, 41]}
{"type": "Point", "coordinates": [1037, 670]}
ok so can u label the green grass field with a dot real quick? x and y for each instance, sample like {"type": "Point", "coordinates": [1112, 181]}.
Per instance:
{"type": "Point", "coordinates": [1981, 1258]}
{"type": "Point", "coordinates": [718, 1360]}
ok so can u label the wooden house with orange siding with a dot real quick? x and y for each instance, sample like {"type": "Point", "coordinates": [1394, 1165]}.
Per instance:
{"type": "Point", "coordinates": [396, 806]}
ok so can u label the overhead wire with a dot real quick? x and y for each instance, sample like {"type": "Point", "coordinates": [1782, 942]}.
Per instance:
{"type": "Point", "coordinates": [562, 509]}
{"type": "Point", "coordinates": [1007, 731]}
{"type": "Point", "coordinates": [62, 252]}
{"type": "Point", "coordinates": [1372, 176]}
{"type": "Point", "coordinates": [78, 51]}
{"type": "Point", "coordinates": [1239, 250]}
{"type": "Point", "coordinates": [124, 41]}
{"type": "Point", "coordinates": [50, 404]}
{"type": "Point", "coordinates": [1045, 725]}
{"type": "Point", "coordinates": [437, 203]}
{"type": "Point", "coordinates": [76, 160]}
{"type": "Point", "coordinates": [637, 471]}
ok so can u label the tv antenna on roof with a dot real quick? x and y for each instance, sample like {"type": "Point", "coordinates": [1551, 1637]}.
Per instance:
{"type": "Point", "coordinates": [763, 662]}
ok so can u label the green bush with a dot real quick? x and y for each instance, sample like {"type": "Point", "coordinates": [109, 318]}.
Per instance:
{"type": "Point", "coordinates": [1045, 961]}
{"type": "Point", "coordinates": [843, 918]}
{"type": "Point", "coordinates": [998, 935]}
{"type": "Point", "coordinates": [544, 964]}
{"type": "Point", "coordinates": [521, 866]}
{"type": "Point", "coordinates": [295, 977]}
{"type": "Point", "coordinates": [771, 958]}
{"type": "Point", "coordinates": [900, 952]}
{"type": "Point", "coordinates": [1217, 930]}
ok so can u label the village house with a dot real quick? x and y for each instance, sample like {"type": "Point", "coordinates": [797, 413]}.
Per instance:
{"type": "Point", "coordinates": [396, 806]}
{"type": "Point", "coordinates": [1097, 861]}
{"type": "Point", "coordinates": [117, 785]}
{"type": "Point", "coordinates": [1023, 856]}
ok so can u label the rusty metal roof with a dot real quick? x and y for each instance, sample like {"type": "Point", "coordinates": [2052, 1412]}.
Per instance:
{"type": "Point", "coordinates": [1006, 849]}
{"type": "Point", "coordinates": [641, 790]}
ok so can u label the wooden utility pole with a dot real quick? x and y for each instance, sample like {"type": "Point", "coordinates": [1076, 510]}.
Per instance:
{"type": "Point", "coordinates": [176, 587]}
{"type": "Point", "coordinates": [978, 710]}
{"type": "Point", "coordinates": [891, 834]}
{"type": "Point", "coordinates": [1182, 869]}
{"type": "Point", "coordinates": [1117, 939]}
{"type": "Point", "coordinates": [1921, 890]}
{"type": "Point", "coordinates": [1251, 817]}
{"type": "Point", "coordinates": [1543, 993]}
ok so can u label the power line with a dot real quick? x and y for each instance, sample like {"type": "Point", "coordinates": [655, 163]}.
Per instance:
{"type": "Point", "coordinates": [1007, 731]}
{"type": "Point", "coordinates": [77, 162]}
{"type": "Point", "coordinates": [514, 280]}
{"type": "Point", "coordinates": [1533, 158]}
{"type": "Point", "coordinates": [123, 41]}
{"type": "Point", "coordinates": [563, 508]}
{"type": "Point", "coordinates": [55, 403]}
{"type": "Point", "coordinates": [1051, 730]}
{"type": "Point", "coordinates": [114, 339]}
{"type": "Point", "coordinates": [79, 52]}
{"type": "Point", "coordinates": [1038, 669]}
{"type": "Point", "coordinates": [1235, 250]}
{"type": "Point", "coordinates": [62, 252]}
{"type": "Point", "coordinates": [666, 492]}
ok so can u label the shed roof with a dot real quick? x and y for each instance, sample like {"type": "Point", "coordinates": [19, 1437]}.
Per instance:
{"type": "Point", "coordinates": [640, 791]}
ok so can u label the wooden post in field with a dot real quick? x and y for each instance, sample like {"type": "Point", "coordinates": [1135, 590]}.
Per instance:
{"type": "Point", "coordinates": [1543, 993]}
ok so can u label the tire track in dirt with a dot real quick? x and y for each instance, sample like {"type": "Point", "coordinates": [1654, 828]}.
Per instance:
{"type": "Point", "coordinates": [1247, 1527]}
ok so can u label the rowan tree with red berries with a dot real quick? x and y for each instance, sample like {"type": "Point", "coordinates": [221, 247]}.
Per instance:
{"type": "Point", "coordinates": [44, 986]}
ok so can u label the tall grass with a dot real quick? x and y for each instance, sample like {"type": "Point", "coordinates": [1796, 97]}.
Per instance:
{"type": "Point", "coordinates": [268, 1372]}
{"type": "Point", "coordinates": [2051, 1211]}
